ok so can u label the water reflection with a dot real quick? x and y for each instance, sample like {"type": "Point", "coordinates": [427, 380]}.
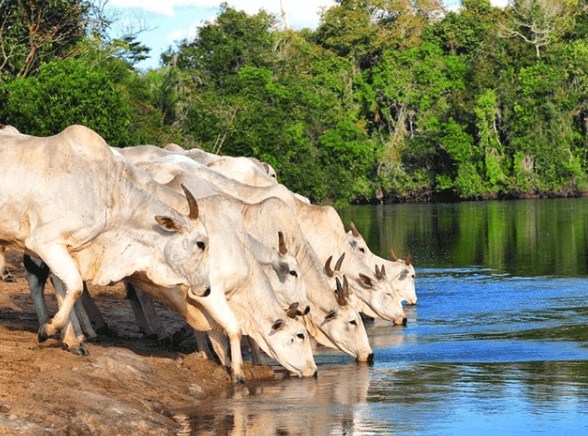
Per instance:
{"type": "Point", "coordinates": [421, 398]}
{"type": "Point", "coordinates": [292, 406]}
{"type": "Point", "coordinates": [527, 237]}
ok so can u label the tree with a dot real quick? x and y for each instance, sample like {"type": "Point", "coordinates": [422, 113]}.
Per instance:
{"type": "Point", "coordinates": [540, 23]}
{"type": "Point", "coordinates": [221, 48]}
{"type": "Point", "coordinates": [68, 92]}
{"type": "Point", "coordinates": [34, 32]}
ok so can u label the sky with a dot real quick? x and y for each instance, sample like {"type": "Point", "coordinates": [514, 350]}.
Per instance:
{"type": "Point", "coordinates": [159, 24]}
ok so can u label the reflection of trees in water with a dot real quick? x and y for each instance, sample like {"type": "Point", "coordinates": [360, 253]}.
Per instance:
{"type": "Point", "coordinates": [292, 406]}
{"type": "Point", "coordinates": [523, 237]}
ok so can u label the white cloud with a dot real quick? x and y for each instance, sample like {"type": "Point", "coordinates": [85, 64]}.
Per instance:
{"type": "Point", "coordinates": [163, 7]}
{"type": "Point", "coordinates": [298, 12]}
{"type": "Point", "coordinates": [181, 34]}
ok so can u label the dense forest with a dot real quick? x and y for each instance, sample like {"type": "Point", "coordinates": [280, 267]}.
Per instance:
{"type": "Point", "coordinates": [386, 100]}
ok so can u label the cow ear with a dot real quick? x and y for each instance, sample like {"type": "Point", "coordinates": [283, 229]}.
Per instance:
{"type": "Point", "coordinates": [330, 316]}
{"type": "Point", "coordinates": [282, 244]}
{"type": "Point", "coordinates": [277, 326]}
{"type": "Point", "coordinates": [168, 224]}
{"type": "Point", "coordinates": [293, 310]}
{"type": "Point", "coordinates": [365, 280]}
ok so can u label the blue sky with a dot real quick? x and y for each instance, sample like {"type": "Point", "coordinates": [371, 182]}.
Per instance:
{"type": "Point", "coordinates": [161, 23]}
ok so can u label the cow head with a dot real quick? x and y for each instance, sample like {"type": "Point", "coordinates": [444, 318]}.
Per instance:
{"type": "Point", "coordinates": [186, 246]}
{"type": "Point", "coordinates": [286, 279]}
{"type": "Point", "coordinates": [334, 321]}
{"type": "Point", "coordinates": [378, 298]}
{"type": "Point", "coordinates": [402, 275]}
{"type": "Point", "coordinates": [287, 341]}
{"type": "Point", "coordinates": [401, 272]}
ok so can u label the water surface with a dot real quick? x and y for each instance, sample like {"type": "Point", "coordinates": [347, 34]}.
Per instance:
{"type": "Point", "coordinates": [498, 343]}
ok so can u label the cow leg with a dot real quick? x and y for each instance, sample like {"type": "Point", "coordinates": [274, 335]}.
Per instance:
{"type": "Point", "coordinates": [217, 307]}
{"type": "Point", "coordinates": [218, 340]}
{"type": "Point", "coordinates": [36, 273]}
{"type": "Point", "coordinates": [97, 322]}
{"type": "Point", "coordinates": [202, 342]}
{"type": "Point", "coordinates": [63, 267]}
{"type": "Point", "coordinates": [145, 316]}
{"type": "Point", "coordinates": [255, 351]}
{"type": "Point", "coordinates": [71, 335]}
{"type": "Point", "coordinates": [5, 275]}
{"type": "Point", "coordinates": [83, 317]}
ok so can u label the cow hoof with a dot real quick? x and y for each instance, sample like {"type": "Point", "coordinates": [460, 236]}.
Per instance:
{"type": "Point", "coordinates": [238, 379]}
{"type": "Point", "coordinates": [79, 350]}
{"type": "Point", "coordinates": [42, 334]}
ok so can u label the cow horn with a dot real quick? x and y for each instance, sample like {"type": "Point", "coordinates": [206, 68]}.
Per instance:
{"type": "Point", "coordinates": [346, 287]}
{"type": "Point", "coordinates": [354, 231]}
{"type": "Point", "coordinates": [292, 310]}
{"type": "Point", "coordinates": [408, 259]}
{"type": "Point", "coordinates": [282, 243]}
{"type": "Point", "coordinates": [393, 255]}
{"type": "Point", "coordinates": [380, 273]}
{"type": "Point", "coordinates": [339, 262]}
{"type": "Point", "coordinates": [192, 203]}
{"type": "Point", "coordinates": [340, 293]}
{"type": "Point", "coordinates": [328, 271]}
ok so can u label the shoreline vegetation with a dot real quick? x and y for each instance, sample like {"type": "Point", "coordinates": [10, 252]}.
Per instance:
{"type": "Point", "coordinates": [381, 102]}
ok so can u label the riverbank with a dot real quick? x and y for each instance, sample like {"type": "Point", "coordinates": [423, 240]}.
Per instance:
{"type": "Point", "coordinates": [126, 385]}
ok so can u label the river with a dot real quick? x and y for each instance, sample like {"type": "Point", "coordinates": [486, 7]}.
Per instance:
{"type": "Point", "coordinates": [497, 344]}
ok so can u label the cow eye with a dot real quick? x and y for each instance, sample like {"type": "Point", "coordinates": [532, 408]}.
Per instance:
{"type": "Point", "coordinates": [362, 250]}
{"type": "Point", "coordinates": [300, 335]}
{"type": "Point", "coordinates": [201, 245]}
{"type": "Point", "coordinates": [293, 273]}
{"type": "Point", "coordinates": [353, 322]}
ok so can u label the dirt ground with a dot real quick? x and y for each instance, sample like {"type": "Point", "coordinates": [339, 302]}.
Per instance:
{"type": "Point", "coordinates": [126, 385]}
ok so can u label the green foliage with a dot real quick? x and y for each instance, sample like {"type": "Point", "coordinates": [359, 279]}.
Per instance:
{"type": "Point", "coordinates": [64, 93]}
{"type": "Point", "coordinates": [32, 33]}
{"type": "Point", "coordinates": [386, 99]}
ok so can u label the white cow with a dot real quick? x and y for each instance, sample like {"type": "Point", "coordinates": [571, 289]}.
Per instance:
{"type": "Point", "coordinates": [400, 272]}
{"type": "Point", "coordinates": [5, 275]}
{"type": "Point", "coordinates": [236, 273]}
{"type": "Point", "coordinates": [345, 331]}
{"type": "Point", "coordinates": [331, 324]}
{"type": "Point", "coordinates": [331, 321]}
{"type": "Point", "coordinates": [248, 170]}
{"type": "Point", "coordinates": [165, 167]}
{"type": "Point", "coordinates": [322, 227]}
{"type": "Point", "coordinates": [69, 201]}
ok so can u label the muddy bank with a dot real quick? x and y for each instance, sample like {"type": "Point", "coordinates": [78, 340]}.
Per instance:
{"type": "Point", "coordinates": [126, 385]}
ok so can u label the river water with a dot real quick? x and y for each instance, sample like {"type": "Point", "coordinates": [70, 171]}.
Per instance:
{"type": "Point", "coordinates": [497, 344]}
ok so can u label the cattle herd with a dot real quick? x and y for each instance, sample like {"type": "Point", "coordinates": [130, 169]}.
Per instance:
{"type": "Point", "coordinates": [216, 238]}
